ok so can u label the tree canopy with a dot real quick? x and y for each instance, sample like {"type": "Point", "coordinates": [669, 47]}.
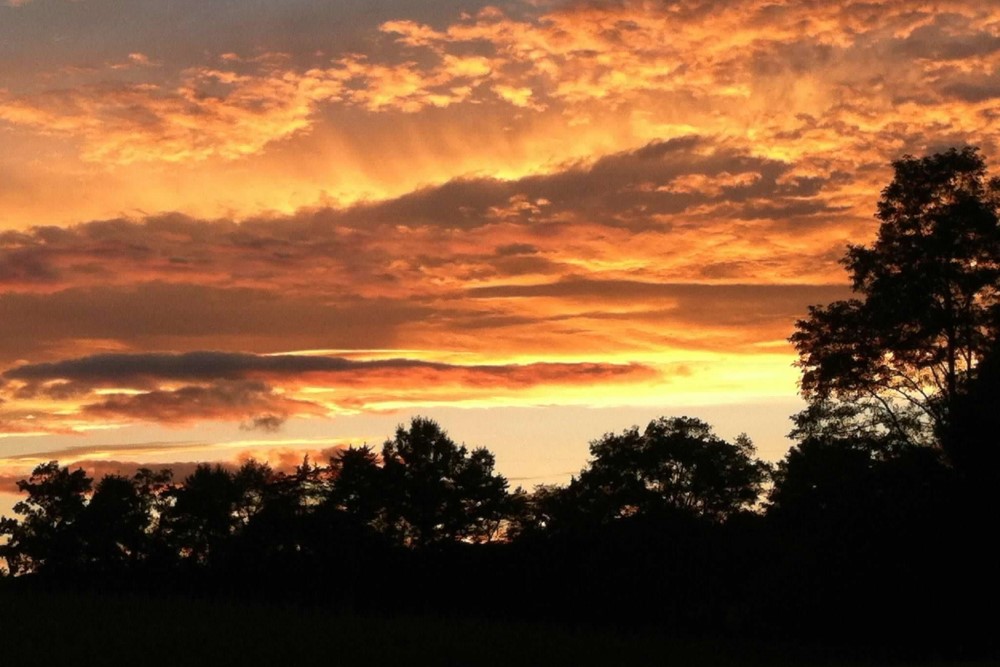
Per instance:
{"type": "Point", "coordinates": [437, 490]}
{"type": "Point", "coordinates": [674, 465]}
{"type": "Point", "coordinates": [928, 290]}
{"type": "Point", "coordinates": [47, 535]}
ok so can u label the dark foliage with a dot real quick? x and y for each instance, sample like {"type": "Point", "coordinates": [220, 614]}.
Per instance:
{"type": "Point", "coordinates": [928, 291]}
{"type": "Point", "coordinates": [47, 537]}
{"type": "Point", "coordinates": [675, 466]}
{"type": "Point", "coordinates": [438, 491]}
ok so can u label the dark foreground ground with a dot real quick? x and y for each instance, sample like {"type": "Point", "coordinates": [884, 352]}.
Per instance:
{"type": "Point", "coordinates": [47, 628]}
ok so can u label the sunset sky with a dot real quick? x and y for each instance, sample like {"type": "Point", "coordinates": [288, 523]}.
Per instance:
{"type": "Point", "coordinates": [268, 228]}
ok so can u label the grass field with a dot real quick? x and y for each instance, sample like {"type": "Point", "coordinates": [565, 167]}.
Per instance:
{"type": "Point", "coordinates": [77, 629]}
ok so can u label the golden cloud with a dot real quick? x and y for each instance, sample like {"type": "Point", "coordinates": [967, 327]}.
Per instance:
{"type": "Point", "coordinates": [662, 184]}
{"type": "Point", "coordinates": [654, 63]}
{"type": "Point", "coordinates": [261, 391]}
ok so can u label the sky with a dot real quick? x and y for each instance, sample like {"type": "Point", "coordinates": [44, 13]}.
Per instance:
{"type": "Point", "coordinates": [262, 228]}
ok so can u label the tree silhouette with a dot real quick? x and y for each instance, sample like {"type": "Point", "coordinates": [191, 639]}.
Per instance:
{"type": "Point", "coordinates": [47, 536]}
{"type": "Point", "coordinates": [252, 483]}
{"type": "Point", "coordinates": [675, 465]}
{"type": "Point", "coordinates": [114, 527]}
{"type": "Point", "coordinates": [204, 513]}
{"type": "Point", "coordinates": [482, 496]}
{"type": "Point", "coordinates": [971, 437]}
{"type": "Point", "coordinates": [436, 491]}
{"type": "Point", "coordinates": [927, 298]}
{"type": "Point", "coordinates": [272, 515]}
{"type": "Point", "coordinates": [357, 488]}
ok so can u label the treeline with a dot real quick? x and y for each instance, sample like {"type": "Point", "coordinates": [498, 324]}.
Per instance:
{"type": "Point", "coordinates": [877, 528]}
{"type": "Point", "coordinates": [421, 492]}
{"type": "Point", "coordinates": [669, 525]}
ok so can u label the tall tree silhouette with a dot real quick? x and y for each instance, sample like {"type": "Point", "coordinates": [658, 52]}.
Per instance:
{"type": "Point", "coordinates": [927, 296]}
{"type": "Point", "coordinates": [47, 536]}
{"type": "Point", "coordinates": [115, 526]}
{"type": "Point", "coordinates": [357, 487]}
{"type": "Point", "coordinates": [436, 491]}
{"type": "Point", "coordinates": [204, 513]}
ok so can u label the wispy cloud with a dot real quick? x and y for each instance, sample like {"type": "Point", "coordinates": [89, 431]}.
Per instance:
{"type": "Point", "coordinates": [261, 391]}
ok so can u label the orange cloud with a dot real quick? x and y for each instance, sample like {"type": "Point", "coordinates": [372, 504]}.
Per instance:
{"type": "Point", "coordinates": [630, 56]}
{"type": "Point", "coordinates": [523, 204]}
{"type": "Point", "coordinates": [836, 90]}
{"type": "Point", "coordinates": [642, 205]}
{"type": "Point", "coordinates": [254, 403]}
{"type": "Point", "coordinates": [262, 391]}
{"type": "Point", "coordinates": [617, 273]}
{"type": "Point", "coordinates": [208, 113]}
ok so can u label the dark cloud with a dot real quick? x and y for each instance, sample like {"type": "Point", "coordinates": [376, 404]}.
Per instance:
{"type": "Point", "coordinates": [525, 265]}
{"type": "Point", "coordinates": [360, 250]}
{"type": "Point", "coordinates": [199, 366]}
{"type": "Point", "coordinates": [270, 423]}
{"type": "Point", "coordinates": [786, 211]}
{"type": "Point", "coordinates": [26, 266]}
{"type": "Point", "coordinates": [659, 150]}
{"type": "Point", "coordinates": [179, 316]}
{"type": "Point", "coordinates": [261, 392]}
{"type": "Point", "coordinates": [254, 402]}
{"type": "Point", "coordinates": [978, 91]}
{"type": "Point", "coordinates": [622, 189]}
{"type": "Point", "coordinates": [580, 287]}
{"type": "Point", "coordinates": [102, 30]}
{"type": "Point", "coordinates": [703, 304]}
{"type": "Point", "coordinates": [232, 373]}
{"type": "Point", "coordinates": [797, 58]}
{"type": "Point", "coordinates": [949, 37]}
{"type": "Point", "coordinates": [513, 249]}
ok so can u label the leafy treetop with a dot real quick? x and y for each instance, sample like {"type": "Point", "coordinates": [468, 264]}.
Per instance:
{"type": "Point", "coordinates": [928, 291]}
